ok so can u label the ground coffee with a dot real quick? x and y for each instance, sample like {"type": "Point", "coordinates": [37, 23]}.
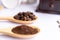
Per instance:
{"type": "Point", "coordinates": [24, 29]}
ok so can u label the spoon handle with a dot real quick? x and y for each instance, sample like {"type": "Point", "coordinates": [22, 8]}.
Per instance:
{"type": "Point", "coordinates": [4, 18]}
{"type": "Point", "coordinates": [5, 30]}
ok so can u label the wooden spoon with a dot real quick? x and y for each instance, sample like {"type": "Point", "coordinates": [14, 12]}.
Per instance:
{"type": "Point", "coordinates": [1, 7]}
{"type": "Point", "coordinates": [8, 31]}
{"type": "Point", "coordinates": [15, 20]}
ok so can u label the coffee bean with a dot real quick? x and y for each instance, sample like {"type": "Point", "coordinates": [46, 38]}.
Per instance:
{"type": "Point", "coordinates": [26, 16]}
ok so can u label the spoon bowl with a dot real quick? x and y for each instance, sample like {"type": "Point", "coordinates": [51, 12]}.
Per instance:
{"type": "Point", "coordinates": [8, 31]}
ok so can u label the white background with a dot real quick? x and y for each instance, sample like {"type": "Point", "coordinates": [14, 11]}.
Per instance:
{"type": "Point", "coordinates": [46, 22]}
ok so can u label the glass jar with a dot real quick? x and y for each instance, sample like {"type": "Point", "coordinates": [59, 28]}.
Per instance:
{"type": "Point", "coordinates": [10, 3]}
{"type": "Point", "coordinates": [28, 1]}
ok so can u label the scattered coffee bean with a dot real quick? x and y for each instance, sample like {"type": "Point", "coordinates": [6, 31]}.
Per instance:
{"type": "Point", "coordinates": [59, 26]}
{"type": "Point", "coordinates": [58, 22]}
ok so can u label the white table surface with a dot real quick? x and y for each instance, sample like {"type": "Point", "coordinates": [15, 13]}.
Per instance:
{"type": "Point", "coordinates": [46, 22]}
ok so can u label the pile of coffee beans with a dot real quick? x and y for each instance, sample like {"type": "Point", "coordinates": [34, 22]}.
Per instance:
{"type": "Point", "coordinates": [25, 16]}
{"type": "Point", "coordinates": [24, 29]}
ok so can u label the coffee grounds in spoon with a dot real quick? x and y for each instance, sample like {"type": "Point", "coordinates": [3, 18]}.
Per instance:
{"type": "Point", "coordinates": [25, 16]}
{"type": "Point", "coordinates": [24, 29]}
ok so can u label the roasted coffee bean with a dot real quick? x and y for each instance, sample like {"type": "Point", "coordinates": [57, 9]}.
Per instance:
{"type": "Point", "coordinates": [26, 16]}
{"type": "Point", "coordinates": [59, 25]}
{"type": "Point", "coordinates": [19, 14]}
{"type": "Point", "coordinates": [16, 17]}
{"type": "Point", "coordinates": [20, 18]}
{"type": "Point", "coordinates": [28, 19]}
{"type": "Point", "coordinates": [29, 12]}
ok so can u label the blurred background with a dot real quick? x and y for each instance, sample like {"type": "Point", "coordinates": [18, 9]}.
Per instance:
{"type": "Point", "coordinates": [15, 3]}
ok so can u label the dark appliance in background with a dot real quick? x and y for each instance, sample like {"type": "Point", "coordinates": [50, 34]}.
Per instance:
{"type": "Point", "coordinates": [49, 6]}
